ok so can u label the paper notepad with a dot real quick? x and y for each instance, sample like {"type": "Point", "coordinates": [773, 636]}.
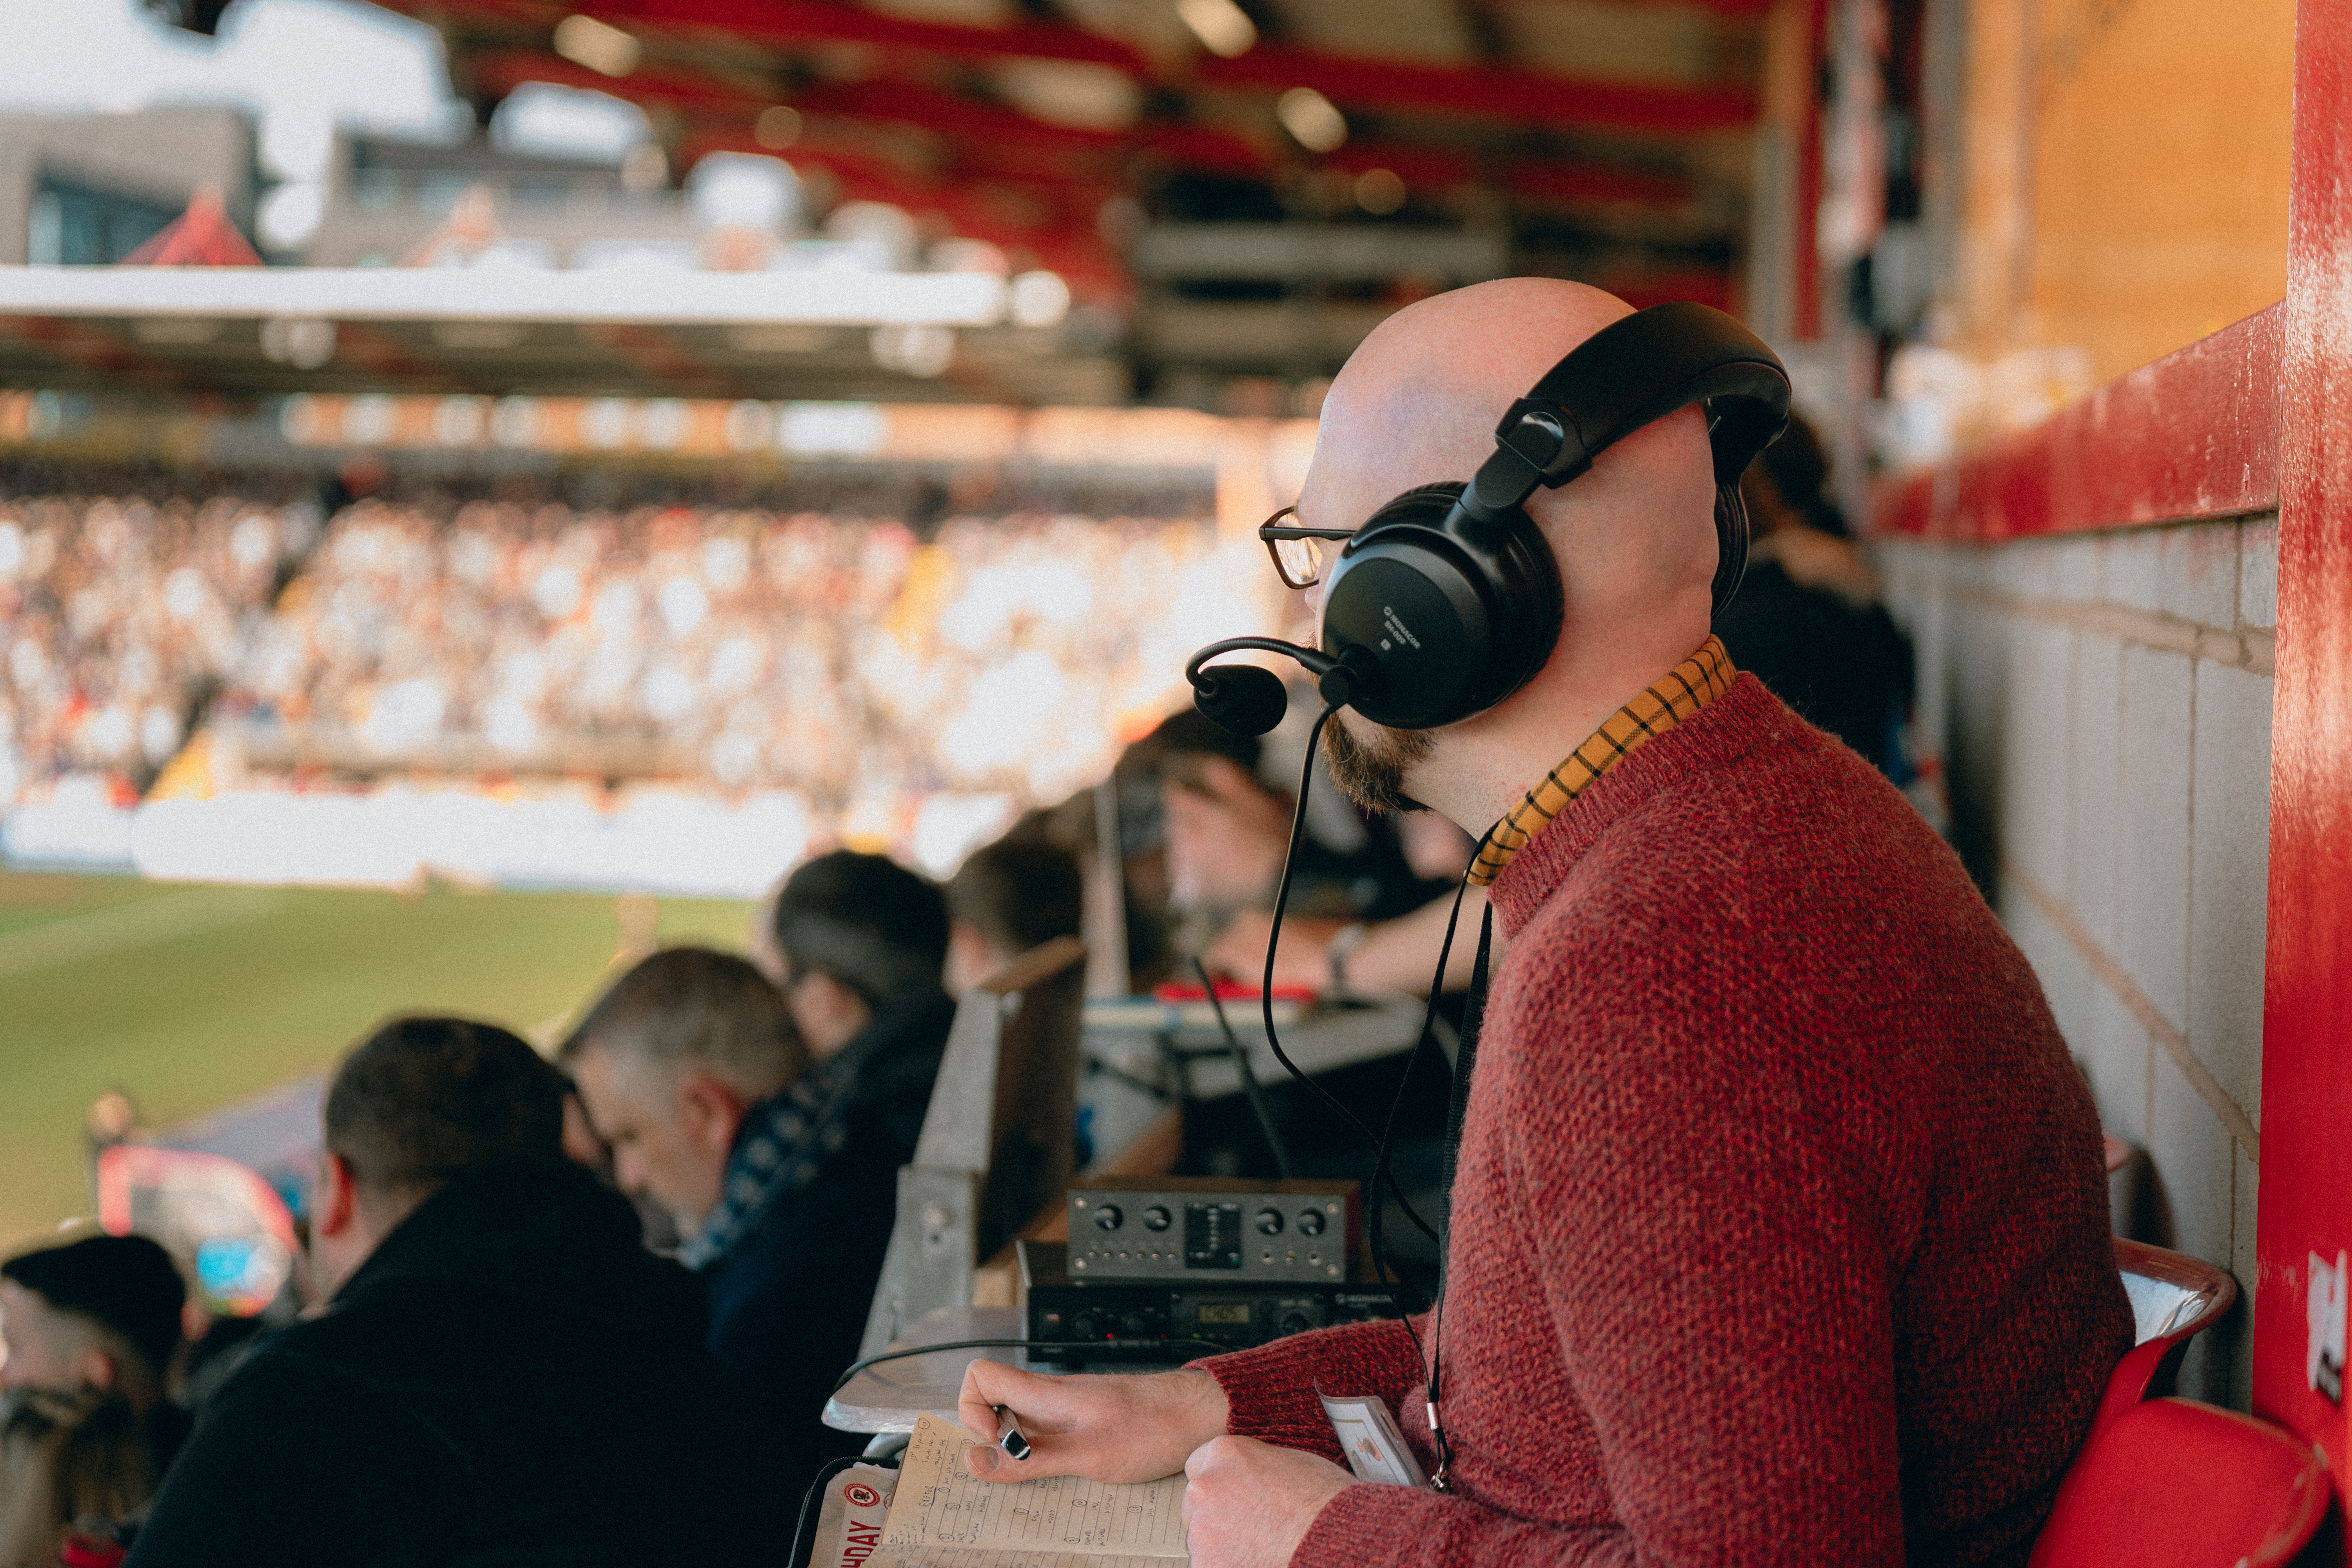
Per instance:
{"type": "Point", "coordinates": [941, 1516]}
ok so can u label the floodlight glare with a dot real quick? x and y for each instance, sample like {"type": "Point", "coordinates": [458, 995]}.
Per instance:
{"type": "Point", "coordinates": [1380, 192]}
{"type": "Point", "coordinates": [600, 47]}
{"type": "Point", "coordinates": [1311, 119]}
{"type": "Point", "coordinates": [1038, 299]}
{"type": "Point", "coordinates": [1222, 27]}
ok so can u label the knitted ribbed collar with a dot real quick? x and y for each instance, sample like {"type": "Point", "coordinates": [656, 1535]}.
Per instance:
{"type": "Point", "coordinates": [1682, 691]}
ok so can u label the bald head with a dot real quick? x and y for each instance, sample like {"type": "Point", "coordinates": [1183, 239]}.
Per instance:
{"type": "Point", "coordinates": [1418, 402]}
{"type": "Point", "coordinates": [1634, 537]}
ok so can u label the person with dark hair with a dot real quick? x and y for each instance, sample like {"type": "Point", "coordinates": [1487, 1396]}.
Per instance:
{"type": "Point", "coordinates": [1807, 621]}
{"type": "Point", "coordinates": [1007, 897]}
{"type": "Point", "coordinates": [860, 936]}
{"type": "Point", "coordinates": [772, 1124]}
{"type": "Point", "coordinates": [497, 1371]}
{"type": "Point", "coordinates": [85, 1433]}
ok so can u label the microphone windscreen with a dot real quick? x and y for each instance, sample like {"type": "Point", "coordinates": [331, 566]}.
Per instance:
{"type": "Point", "coordinates": [1243, 697]}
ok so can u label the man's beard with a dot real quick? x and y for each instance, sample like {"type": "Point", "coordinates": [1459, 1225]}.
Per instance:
{"type": "Point", "coordinates": [1371, 772]}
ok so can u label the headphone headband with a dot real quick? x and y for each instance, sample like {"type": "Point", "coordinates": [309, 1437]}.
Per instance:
{"type": "Point", "coordinates": [1606, 389]}
{"type": "Point", "coordinates": [1448, 598]}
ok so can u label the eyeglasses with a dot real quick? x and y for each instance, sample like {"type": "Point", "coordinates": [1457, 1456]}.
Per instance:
{"type": "Point", "coordinates": [1297, 552]}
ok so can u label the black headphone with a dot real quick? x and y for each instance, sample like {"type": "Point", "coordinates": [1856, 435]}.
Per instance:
{"type": "Point", "coordinates": [1447, 600]}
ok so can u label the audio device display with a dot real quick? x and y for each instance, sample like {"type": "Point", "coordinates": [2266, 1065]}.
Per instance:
{"type": "Point", "coordinates": [1103, 1320]}
{"type": "Point", "coordinates": [1205, 1230]}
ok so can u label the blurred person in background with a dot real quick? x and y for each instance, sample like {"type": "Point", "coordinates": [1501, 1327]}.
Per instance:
{"type": "Point", "coordinates": [688, 1068]}
{"type": "Point", "coordinates": [91, 1330]}
{"type": "Point", "coordinates": [1007, 897]}
{"type": "Point", "coordinates": [1807, 621]}
{"type": "Point", "coordinates": [784, 1181]}
{"type": "Point", "coordinates": [1228, 823]}
{"type": "Point", "coordinates": [498, 1373]}
{"type": "Point", "coordinates": [1228, 828]}
{"type": "Point", "coordinates": [1333, 954]}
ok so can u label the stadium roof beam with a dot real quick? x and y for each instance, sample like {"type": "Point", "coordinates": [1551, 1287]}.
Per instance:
{"type": "Point", "coordinates": [787, 23]}
{"type": "Point", "coordinates": [1483, 91]}
{"type": "Point", "coordinates": [620, 295]}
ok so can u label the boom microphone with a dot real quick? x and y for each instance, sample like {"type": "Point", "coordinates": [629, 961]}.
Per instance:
{"type": "Point", "coordinates": [1246, 699]}
{"type": "Point", "coordinates": [1249, 699]}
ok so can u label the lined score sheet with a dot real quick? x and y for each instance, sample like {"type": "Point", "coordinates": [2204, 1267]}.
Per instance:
{"type": "Point", "coordinates": [941, 1518]}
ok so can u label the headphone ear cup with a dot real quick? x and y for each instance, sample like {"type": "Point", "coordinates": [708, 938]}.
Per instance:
{"type": "Point", "coordinates": [1731, 539]}
{"type": "Point", "coordinates": [1448, 615]}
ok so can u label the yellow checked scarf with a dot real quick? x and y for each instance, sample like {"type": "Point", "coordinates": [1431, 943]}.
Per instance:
{"type": "Point", "coordinates": [1690, 685]}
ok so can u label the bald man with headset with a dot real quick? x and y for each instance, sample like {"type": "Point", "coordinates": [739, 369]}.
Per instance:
{"type": "Point", "coordinates": [1778, 1233]}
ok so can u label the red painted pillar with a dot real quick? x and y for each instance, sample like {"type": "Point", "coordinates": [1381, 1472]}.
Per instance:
{"type": "Point", "coordinates": [2306, 1127]}
{"type": "Point", "coordinates": [1807, 280]}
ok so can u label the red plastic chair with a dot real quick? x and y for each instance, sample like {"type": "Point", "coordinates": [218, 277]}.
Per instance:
{"type": "Point", "coordinates": [2171, 1483]}
{"type": "Point", "coordinates": [2175, 1484]}
{"type": "Point", "coordinates": [2174, 1299]}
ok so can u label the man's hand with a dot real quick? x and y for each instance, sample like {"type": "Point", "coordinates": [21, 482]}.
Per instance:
{"type": "Point", "coordinates": [1305, 959]}
{"type": "Point", "coordinates": [1248, 1504]}
{"type": "Point", "coordinates": [1103, 1429]}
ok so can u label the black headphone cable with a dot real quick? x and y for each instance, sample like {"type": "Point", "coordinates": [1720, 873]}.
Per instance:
{"type": "Point", "coordinates": [1250, 1085]}
{"type": "Point", "coordinates": [1265, 988]}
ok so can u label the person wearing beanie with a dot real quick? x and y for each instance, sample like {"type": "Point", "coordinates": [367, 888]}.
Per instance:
{"type": "Point", "coordinates": [85, 1432]}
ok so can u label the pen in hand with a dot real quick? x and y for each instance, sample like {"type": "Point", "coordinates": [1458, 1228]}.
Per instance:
{"type": "Point", "coordinates": [1008, 1434]}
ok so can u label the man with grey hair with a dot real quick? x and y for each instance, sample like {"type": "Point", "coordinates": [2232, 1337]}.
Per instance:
{"type": "Point", "coordinates": [771, 1123]}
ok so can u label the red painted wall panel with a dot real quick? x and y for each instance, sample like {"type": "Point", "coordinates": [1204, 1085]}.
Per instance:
{"type": "Point", "coordinates": [2195, 435]}
{"type": "Point", "coordinates": [2306, 1169]}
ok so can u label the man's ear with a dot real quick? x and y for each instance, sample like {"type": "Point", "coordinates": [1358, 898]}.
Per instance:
{"type": "Point", "coordinates": [709, 1113]}
{"type": "Point", "coordinates": [334, 1201]}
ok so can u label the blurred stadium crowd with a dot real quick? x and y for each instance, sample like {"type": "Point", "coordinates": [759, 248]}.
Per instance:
{"type": "Point", "coordinates": [829, 651]}
{"type": "Point", "coordinates": [121, 615]}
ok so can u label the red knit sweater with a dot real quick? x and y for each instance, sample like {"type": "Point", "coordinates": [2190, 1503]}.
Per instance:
{"type": "Point", "coordinates": [1779, 1234]}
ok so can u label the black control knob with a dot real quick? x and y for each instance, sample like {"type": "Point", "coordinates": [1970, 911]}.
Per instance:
{"type": "Point", "coordinates": [1310, 1222]}
{"type": "Point", "coordinates": [1157, 1217]}
{"type": "Point", "coordinates": [1108, 1217]}
{"type": "Point", "coordinates": [1295, 1323]}
{"type": "Point", "coordinates": [1138, 1324]}
{"type": "Point", "coordinates": [1083, 1325]}
{"type": "Point", "coordinates": [1269, 1222]}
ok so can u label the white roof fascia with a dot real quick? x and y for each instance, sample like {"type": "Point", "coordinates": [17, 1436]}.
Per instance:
{"type": "Point", "coordinates": [818, 297]}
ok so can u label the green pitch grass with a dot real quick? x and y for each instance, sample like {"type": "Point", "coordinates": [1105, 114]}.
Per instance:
{"type": "Point", "coordinates": [192, 997]}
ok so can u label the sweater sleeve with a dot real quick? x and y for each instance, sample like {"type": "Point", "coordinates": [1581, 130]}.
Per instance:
{"type": "Point", "coordinates": [1275, 1390]}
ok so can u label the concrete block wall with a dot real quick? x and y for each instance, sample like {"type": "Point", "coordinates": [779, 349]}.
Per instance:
{"type": "Point", "coordinates": [2103, 704]}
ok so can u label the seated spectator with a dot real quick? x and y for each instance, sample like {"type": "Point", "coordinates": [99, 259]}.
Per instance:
{"type": "Point", "coordinates": [668, 1066]}
{"type": "Point", "coordinates": [1007, 897]}
{"type": "Point", "coordinates": [499, 1374]}
{"type": "Point", "coordinates": [85, 1432]}
{"type": "Point", "coordinates": [1806, 621]}
{"type": "Point", "coordinates": [785, 1185]}
{"type": "Point", "coordinates": [1332, 954]}
{"type": "Point", "coordinates": [1228, 829]}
